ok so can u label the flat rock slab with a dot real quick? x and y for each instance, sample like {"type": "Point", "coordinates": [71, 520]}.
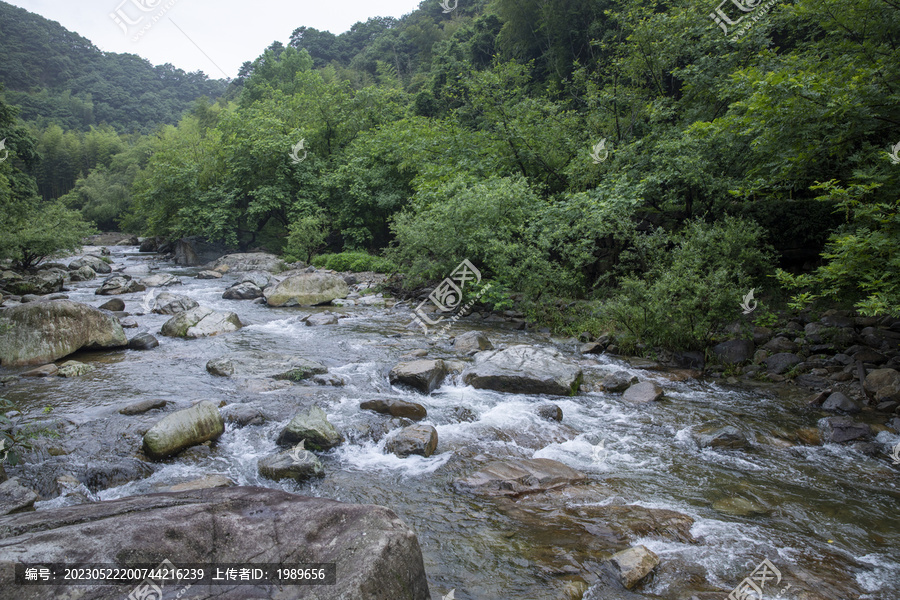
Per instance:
{"type": "Point", "coordinates": [524, 370]}
{"type": "Point", "coordinates": [139, 408]}
{"type": "Point", "coordinates": [376, 554]}
{"type": "Point", "coordinates": [265, 364]}
{"type": "Point", "coordinates": [522, 476]}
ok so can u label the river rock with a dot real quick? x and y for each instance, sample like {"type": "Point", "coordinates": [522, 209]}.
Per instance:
{"type": "Point", "coordinates": [838, 402]}
{"type": "Point", "coordinates": [201, 322]}
{"type": "Point", "coordinates": [183, 429]}
{"type": "Point", "coordinates": [643, 393]}
{"type": "Point", "coordinates": [884, 384]}
{"type": "Point", "coordinates": [551, 412]}
{"type": "Point", "coordinates": [295, 463]}
{"type": "Point", "coordinates": [119, 284]}
{"type": "Point", "coordinates": [472, 341]}
{"type": "Point", "coordinates": [307, 289]}
{"type": "Point", "coordinates": [415, 439]}
{"type": "Point", "coordinates": [250, 261]}
{"type": "Point", "coordinates": [524, 370]}
{"type": "Point", "coordinates": [16, 498]}
{"type": "Point", "coordinates": [782, 362]}
{"type": "Point", "coordinates": [620, 524]}
{"type": "Point", "coordinates": [514, 477]}
{"type": "Point", "coordinates": [42, 332]}
{"type": "Point", "coordinates": [396, 408]}
{"type": "Point", "coordinates": [837, 430]}
{"type": "Point", "coordinates": [209, 275]}
{"type": "Point", "coordinates": [313, 427]}
{"type": "Point", "coordinates": [85, 273]}
{"type": "Point", "coordinates": [780, 345]}
{"type": "Point", "coordinates": [139, 408]}
{"type": "Point", "coordinates": [634, 564]}
{"type": "Point", "coordinates": [173, 304]}
{"type": "Point", "coordinates": [193, 251]}
{"type": "Point", "coordinates": [422, 375]}
{"type": "Point", "coordinates": [96, 263]}
{"type": "Point", "coordinates": [376, 554]}
{"type": "Point", "coordinates": [737, 506]}
{"type": "Point", "coordinates": [325, 318]}
{"type": "Point", "coordinates": [733, 351]}
{"type": "Point", "coordinates": [260, 279]}
{"type": "Point", "coordinates": [48, 370]}
{"type": "Point", "coordinates": [617, 382]}
{"type": "Point", "coordinates": [73, 368]}
{"type": "Point", "coordinates": [243, 291]}
{"type": "Point", "coordinates": [160, 280]}
{"type": "Point", "coordinates": [114, 305]}
{"type": "Point", "coordinates": [715, 436]}
{"type": "Point", "coordinates": [242, 415]}
{"type": "Point", "coordinates": [204, 483]}
{"type": "Point", "coordinates": [143, 341]}
{"type": "Point", "coordinates": [283, 367]}
{"type": "Point", "coordinates": [41, 283]}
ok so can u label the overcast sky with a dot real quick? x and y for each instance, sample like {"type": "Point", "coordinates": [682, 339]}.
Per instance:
{"type": "Point", "coordinates": [215, 37]}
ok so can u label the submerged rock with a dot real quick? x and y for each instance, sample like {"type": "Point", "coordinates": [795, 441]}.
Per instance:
{"type": "Point", "coordinates": [634, 564]}
{"type": "Point", "coordinates": [396, 408]}
{"type": "Point", "coordinates": [41, 332]}
{"type": "Point", "coordinates": [183, 429]}
{"type": "Point", "coordinates": [515, 477]}
{"type": "Point", "coordinates": [296, 463]}
{"type": "Point", "coordinates": [524, 370]}
{"type": "Point", "coordinates": [307, 289]}
{"type": "Point", "coordinates": [73, 368]}
{"type": "Point", "coordinates": [139, 408]}
{"type": "Point", "coordinates": [377, 556]}
{"type": "Point", "coordinates": [716, 436]}
{"type": "Point", "coordinates": [842, 429]}
{"type": "Point", "coordinates": [201, 322]}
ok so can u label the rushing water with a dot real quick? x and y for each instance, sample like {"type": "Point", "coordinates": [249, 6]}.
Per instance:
{"type": "Point", "coordinates": [827, 508]}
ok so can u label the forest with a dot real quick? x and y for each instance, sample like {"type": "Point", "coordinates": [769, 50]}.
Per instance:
{"type": "Point", "coordinates": [610, 165]}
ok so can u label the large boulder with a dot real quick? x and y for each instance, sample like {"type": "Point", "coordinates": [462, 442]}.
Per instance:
{"type": "Point", "coordinates": [717, 436]}
{"type": "Point", "coordinates": [201, 322]}
{"type": "Point", "coordinates": [416, 439]}
{"type": "Point", "coordinates": [183, 429]}
{"type": "Point", "coordinates": [837, 430]}
{"type": "Point", "coordinates": [838, 402]}
{"type": "Point", "coordinates": [94, 262]}
{"type": "Point", "coordinates": [514, 477]}
{"type": "Point", "coordinates": [85, 273]}
{"type": "Point", "coordinates": [782, 362]}
{"type": "Point", "coordinates": [524, 370]}
{"type": "Point", "coordinates": [194, 251]}
{"type": "Point", "coordinates": [883, 384]}
{"type": "Point", "coordinates": [312, 427]}
{"type": "Point", "coordinates": [42, 332]}
{"type": "Point", "coordinates": [250, 261]}
{"type": "Point", "coordinates": [307, 289]}
{"type": "Point", "coordinates": [172, 304]}
{"type": "Point", "coordinates": [377, 556]}
{"type": "Point", "coordinates": [160, 280]}
{"type": "Point", "coordinates": [422, 375]}
{"type": "Point", "coordinates": [119, 284]}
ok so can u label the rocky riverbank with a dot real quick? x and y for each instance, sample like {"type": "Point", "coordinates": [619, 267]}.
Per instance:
{"type": "Point", "coordinates": [216, 386]}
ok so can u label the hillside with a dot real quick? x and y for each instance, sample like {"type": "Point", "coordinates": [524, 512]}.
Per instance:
{"type": "Point", "coordinates": [57, 76]}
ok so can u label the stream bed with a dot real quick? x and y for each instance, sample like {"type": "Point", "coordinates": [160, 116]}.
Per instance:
{"type": "Point", "coordinates": [818, 513]}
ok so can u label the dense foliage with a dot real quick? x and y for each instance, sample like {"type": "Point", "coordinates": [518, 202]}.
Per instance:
{"type": "Point", "coordinates": [476, 134]}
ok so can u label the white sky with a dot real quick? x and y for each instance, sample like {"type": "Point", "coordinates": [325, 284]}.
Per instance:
{"type": "Point", "coordinates": [227, 32]}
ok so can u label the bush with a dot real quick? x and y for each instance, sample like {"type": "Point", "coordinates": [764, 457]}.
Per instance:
{"type": "Point", "coordinates": [693, 286]}
{"type": "Point", "coordinates": [306, 235]}
{"type": "Point", "coordinates": [355, 262]}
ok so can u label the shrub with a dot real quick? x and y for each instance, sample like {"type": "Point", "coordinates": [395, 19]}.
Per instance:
{"type": "Point", "coordinates": [355, 262]}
